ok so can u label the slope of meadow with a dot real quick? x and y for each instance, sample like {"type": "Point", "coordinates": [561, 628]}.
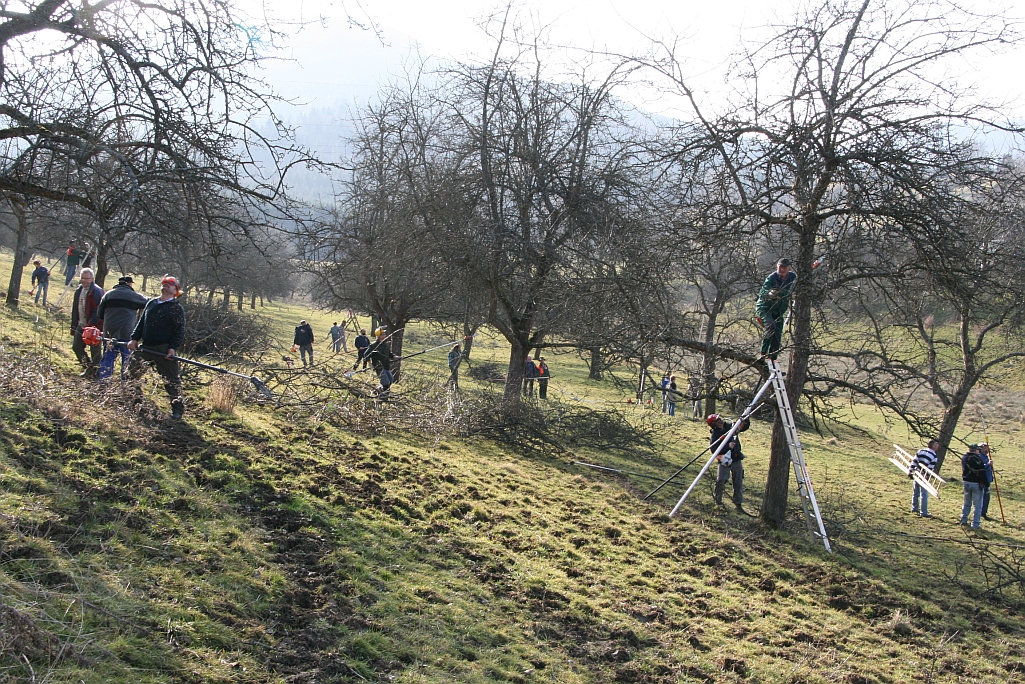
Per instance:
{"type": "Point", "coordinates": [266, 545]}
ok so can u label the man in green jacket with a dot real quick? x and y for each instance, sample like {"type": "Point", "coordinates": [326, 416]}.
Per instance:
{"type": "Point", "coordinates": [773, 304]}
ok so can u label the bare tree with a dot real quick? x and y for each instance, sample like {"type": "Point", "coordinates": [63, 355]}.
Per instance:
{"type": "Point", "coordinates": [841, 125]}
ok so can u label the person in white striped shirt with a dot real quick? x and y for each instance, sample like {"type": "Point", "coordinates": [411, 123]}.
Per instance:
{"type": "Point", "coordinates": [924, 459]}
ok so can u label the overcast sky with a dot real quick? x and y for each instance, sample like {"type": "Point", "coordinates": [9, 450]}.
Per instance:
{"type": "Point", "coordinates": [332, 61]}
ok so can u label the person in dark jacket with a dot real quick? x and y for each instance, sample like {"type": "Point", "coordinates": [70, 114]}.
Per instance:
{"type": "Point", "coordinates": [160, 332]}
{"type": "Point", "coordinates": [529, 375]}
{"type": "Point", "coordinates": [379, 353]}
{"type": "Point", "coordinates": [304, 340]}
{"type": "Point", "coordinates": [74, 255]}
{"type": "Point", "coordinates": [118, 313]}
{"type": "Point", "coordinates": [455, 358]}
{"type": "Point", "coordinates": [41, 279]}
{"type": "Point", "coordinates": [83, 314]}
{"type": "Point", "coordinates": [990, 477]}
{"type": "Point", "coordinates": [772, 306]}
{"type": "Point", "coordinates": [543, 374]}
{"type": "Point", "coordinates": [362, 342]}
{"type": "Point", "coordinates": [731, 459]}
{"type": "Point", "coordinates": [976, 481]}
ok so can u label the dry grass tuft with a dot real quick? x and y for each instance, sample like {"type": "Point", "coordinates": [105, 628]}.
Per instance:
{"type": "Point", "coordinates": [225, 393]}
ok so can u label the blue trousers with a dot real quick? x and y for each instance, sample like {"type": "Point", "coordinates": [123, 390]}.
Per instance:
{"type": "Point", "coordinates": [920, 491]}
{"type": "Point", "coordinates": [109, 357]}
{"type": "Point", "coordinates": [973, 492]}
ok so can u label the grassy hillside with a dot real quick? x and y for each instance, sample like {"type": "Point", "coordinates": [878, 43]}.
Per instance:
{"type": "Point", "coordinates": [273, 545]}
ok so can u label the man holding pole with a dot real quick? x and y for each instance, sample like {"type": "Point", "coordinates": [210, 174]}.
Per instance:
{"type": "Point", "coordinates": [731, 459]}
{"type": "Point", "coordinates": [160, 331]}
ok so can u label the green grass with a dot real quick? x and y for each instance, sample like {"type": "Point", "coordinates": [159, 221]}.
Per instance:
{"type": "Point", "coordinates": [268, 547]}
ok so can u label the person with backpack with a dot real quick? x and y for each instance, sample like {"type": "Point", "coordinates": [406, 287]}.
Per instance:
{"type": "Point", "coordinates": [925, 459]}
{"type": "Point", "coordinates": [976, 481]}
{"type": "Point", "coordinates": [304, 340]}
{"type": "Point", "coordinates": [731, 459]}
{"type": "Point", "coordinates": [772, 306]}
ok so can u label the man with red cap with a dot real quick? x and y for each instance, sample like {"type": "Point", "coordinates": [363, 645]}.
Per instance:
{"type": "Point", "coordinates": [731, 459]}
{"type": "Point", "coordinates": [160, 332]}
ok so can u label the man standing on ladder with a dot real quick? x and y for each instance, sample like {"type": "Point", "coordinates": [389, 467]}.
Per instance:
{"type": "Point", "coordinates": [731, 460]}
{"type": "Point", "coordinates": [772, 306]}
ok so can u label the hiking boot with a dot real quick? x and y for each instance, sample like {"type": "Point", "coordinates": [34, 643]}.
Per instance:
{"type": "Point", "coordinates": [177, 414]}
{"type": "Point", "coordinates": [925, 515]}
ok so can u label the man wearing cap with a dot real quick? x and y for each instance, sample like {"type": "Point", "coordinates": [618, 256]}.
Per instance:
{"type": "Point", "coordinates": [730, 459]}
{"type": "Point", "coordinates": [772, 306]}
{"type": "Point", "coordinates": [41, 278]}
{"type": "Point", "coordinates": [304, 340]}
{"type": "Point", "coordinates": [379, 353]}
{"type": "Point", "coordinates": [83, 315]}
{"type": "Point", "coordinates": [118, 313]}
{"type": "Point", "coordinates": [974, 477]}
{"type": "Point", "coordinates": [160, 332]}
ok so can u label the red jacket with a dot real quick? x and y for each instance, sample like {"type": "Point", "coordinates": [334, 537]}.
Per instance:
{"type": "Point", "coordinates": [92, 302]}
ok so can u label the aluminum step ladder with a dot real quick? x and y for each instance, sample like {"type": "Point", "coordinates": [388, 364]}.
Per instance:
{"type": "Point", "coordinates": [810, 506]}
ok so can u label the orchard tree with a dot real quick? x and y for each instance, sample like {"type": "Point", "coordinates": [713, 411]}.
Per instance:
{"type": "Point", "coordinates": [842, 121]}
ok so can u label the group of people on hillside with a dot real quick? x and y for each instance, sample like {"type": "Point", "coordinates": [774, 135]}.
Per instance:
{"type": "Point", "coordinates": [109, 325]}
{"type": "Point", "coordinates": [976, 476]}
{"type": "Point", "coordinates": [536, 370]}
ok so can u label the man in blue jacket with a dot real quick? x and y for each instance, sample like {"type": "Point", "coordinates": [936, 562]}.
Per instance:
{"type": "Point", "coordinates": [41, 278]}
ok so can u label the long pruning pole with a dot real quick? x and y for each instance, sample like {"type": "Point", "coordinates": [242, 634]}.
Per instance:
{"type": "Point", "coordinates": [993, 467]}
{"type": "Point", "coordinates": [620, 472]}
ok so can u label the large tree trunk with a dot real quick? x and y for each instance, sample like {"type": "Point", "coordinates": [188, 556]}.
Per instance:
{"type": "Point", "coordinates": [22, 254]}
{"type": "Point", "coordinates": [709, 382]}
{"type": "Point", "coordinates": [241, 300]}
{"type": "Point", "coordinates": [227, 299]}
{"type": "Point", "coordinates": [102, 267]}
{"type": "Point", "coordinates": [774, 505]}
{"type": "Point", "coordinates": [518, 352]}
{"type": "Point", "coordinates": [951, 416]}
{"type": "Point", "coordinates": [594, 363]}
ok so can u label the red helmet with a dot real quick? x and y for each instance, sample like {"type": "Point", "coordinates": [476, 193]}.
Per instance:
{"type": "Point", "coordinates": [711, 420]}
{"type": "Point", "coordinates": [92, 336]}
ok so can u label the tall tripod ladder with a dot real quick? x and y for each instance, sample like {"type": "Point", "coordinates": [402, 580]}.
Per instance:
{"type": "Point", "coordinates": [812, 516]}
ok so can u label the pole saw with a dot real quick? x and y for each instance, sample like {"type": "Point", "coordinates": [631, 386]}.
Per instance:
{"type": "Point", "coordinates": [257, 383]}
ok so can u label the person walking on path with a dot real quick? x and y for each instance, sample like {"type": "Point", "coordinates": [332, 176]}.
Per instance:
{"type": "Point", "coordinates": [83, 315]}
{"type": "Point", "coordinates": [160, 332]}
{"type": "Point", "coordinates": [973, 474]}
{"type": "Point", "coordinates": [731, 460]}
{"type": "Point", "coordinates": [990, 477]}
{"type": "Point", "coordinates": [304, 340]}
{"type": "Point", "coordinates": [71, 264]}
{"type": "Point", "coordinates": [924, 459]}
{"type": "Point", "coordinates": [772, 306]}
{"type": "Point", "coordinates": [338, 339]}
{"type": "Point", "coordinates": [543, 374]}
{"type": "Point", "coordinates": [118, 313]}
{"type": "Point", "coordinates": [455, 357]}
{"type": "Point", "coordinates": [41, 279]}
{"type": "Point", "coordinates": [362, 343]}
